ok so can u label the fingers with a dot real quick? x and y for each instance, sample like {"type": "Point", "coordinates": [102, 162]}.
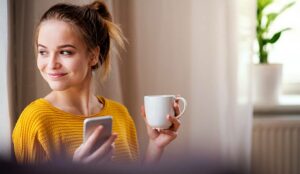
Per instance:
{"type": "Point", "coordinates": [103, 154]}
{"type": "Point", "coordinates": [91, 141]}
{"type": "Point", "coordinates": [78, 154]}
{"type": "Point", "coordinates": [112, 155]}
{"type": "Point", "coordinates": [176, 106]}
{"type": "Point", "coordinates": [108, 156]}
{"type": "Point", "coordinates": [175, 123]}
{"type": "Point", "coordinates": [143, 113]}
{"type": "Point", "coordinates": [170, 133]}
{"type": "Point", "coordinates": [103, 150]}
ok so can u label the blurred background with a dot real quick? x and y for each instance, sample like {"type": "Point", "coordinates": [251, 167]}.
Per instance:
{"type": "Point", "coordinates": [202, 50]}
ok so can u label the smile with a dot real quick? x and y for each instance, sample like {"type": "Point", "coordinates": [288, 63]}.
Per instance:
{"type": "Point", "coordinates": [56, 75]}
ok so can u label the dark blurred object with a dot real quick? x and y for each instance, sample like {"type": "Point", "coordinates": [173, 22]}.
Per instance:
{"type": "Point", "coordinates": [180, 167]}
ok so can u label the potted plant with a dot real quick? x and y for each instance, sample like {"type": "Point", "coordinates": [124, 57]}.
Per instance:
{"type": "Point", "coordinates": [267, 78]}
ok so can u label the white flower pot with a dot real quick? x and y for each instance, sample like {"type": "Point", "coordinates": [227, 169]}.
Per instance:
{"type": "Point", "coordinates": [267, 83]}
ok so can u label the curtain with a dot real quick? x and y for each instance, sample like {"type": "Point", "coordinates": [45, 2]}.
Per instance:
{"type": "Point", "coordinates": [201, 50]}
{"type": "Point", "coordinates": [5, 122]}
{"type": "Point", "coordinates": [197, 48]}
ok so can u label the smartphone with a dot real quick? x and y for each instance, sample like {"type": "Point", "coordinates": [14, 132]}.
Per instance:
{"type": "Point", "coordinates": [90, 124]}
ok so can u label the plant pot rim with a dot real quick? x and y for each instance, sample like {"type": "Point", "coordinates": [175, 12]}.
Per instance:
{"type": "Point", "coordinates": [268, 64]}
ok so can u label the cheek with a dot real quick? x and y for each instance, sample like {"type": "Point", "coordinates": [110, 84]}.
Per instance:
{"type": "Point", "coordinates": [85, 67]}
{"type": "Point", "coordinates": [40, 63]}
{"type": "Point", "coordinates": [83, 62]}
{"type": "Point", "coordinates": [72, 64]}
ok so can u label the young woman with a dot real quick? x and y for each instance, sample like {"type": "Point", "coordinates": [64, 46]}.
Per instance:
{"type": "Point", "coordinates": [71, 42]}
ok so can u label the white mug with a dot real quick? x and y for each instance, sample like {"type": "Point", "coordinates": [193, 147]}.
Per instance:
{"type": "Point", "coordinates": [157, 107]}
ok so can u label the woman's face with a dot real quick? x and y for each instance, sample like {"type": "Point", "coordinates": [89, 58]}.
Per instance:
{"type": "Point", "coordinates": [63, 59]}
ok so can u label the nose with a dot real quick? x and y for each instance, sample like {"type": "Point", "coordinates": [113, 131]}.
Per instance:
{"type": "Point", "coordinates": [54, 62]}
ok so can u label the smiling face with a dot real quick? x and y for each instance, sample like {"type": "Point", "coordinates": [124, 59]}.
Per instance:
{"type": "Point", "coordinates": [63, 58]}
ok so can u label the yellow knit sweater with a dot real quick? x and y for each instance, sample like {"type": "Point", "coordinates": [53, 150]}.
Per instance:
{"type": "Point", "coordinates": [44, 132]}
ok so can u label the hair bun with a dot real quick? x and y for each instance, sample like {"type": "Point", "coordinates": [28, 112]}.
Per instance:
{"type": "Point", "coordinates": [101, 8]}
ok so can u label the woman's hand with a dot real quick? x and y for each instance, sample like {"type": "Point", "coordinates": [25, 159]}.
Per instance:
{"type": "Point", "coordinates": [160, 138]}
{"type": "Point", "coordinates": [84, 153]}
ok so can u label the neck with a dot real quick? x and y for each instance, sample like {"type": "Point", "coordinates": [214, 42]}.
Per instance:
{"type": "Point", "coordinates": [76, 100]}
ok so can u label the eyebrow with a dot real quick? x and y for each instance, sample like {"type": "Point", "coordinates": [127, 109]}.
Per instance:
{"type": "Point", "coordinates": [61, 46]}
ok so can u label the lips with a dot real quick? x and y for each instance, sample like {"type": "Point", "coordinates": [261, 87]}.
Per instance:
{"type": "Point", "coordinates": [56, 75]}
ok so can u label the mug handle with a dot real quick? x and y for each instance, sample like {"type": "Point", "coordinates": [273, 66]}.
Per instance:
{"type": "Point", "coordinates": [184, 106]}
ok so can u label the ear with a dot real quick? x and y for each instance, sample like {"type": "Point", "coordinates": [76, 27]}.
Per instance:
{"type": "Point", "coordinates": [94, 57]}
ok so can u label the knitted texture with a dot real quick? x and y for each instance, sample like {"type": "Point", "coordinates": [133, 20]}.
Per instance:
{"type": "Point", "coordinates": [45, 133]}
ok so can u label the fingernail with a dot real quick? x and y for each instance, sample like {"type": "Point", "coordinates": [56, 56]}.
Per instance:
{"type": "Point", "coordinates": [100, 127]}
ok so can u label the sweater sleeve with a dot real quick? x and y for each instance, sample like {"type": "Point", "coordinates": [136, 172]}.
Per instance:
{"type": "Point", "coordinates": [132, 137]}
{"type": "Point", "coordinates": [27, 146]}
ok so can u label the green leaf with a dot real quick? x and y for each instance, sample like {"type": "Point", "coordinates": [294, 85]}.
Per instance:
{"type": "Point", "coordinates": [261, 4]}
{"type": "Point", "coordinates": [270, 18]}
{"type": "Point", "coordinates": [276, 36]}
{"type": "Point", "coordinates": [286, 7]}
{"type": "Point", "coordinates": [264, 21]}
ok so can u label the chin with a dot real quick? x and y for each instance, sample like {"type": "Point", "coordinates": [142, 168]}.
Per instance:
{"type": "Point", "coordinates": [56, 87]}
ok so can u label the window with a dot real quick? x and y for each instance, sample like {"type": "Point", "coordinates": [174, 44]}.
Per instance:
{"type": "Point", "coordinates": [287, 49]}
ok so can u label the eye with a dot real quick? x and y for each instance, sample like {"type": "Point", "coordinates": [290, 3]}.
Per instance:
{"type": "Point", "coordinates": [42, 52]}
{"type": "Point", "coordinates": [66, 52]}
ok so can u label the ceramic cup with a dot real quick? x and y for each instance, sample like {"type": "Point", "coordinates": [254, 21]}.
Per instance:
{"type": "Point", "coordinates": [157, 107]}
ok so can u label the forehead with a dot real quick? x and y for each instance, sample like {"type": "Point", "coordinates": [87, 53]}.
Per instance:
{"type": "Point", "coordinates": [55, 32]}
